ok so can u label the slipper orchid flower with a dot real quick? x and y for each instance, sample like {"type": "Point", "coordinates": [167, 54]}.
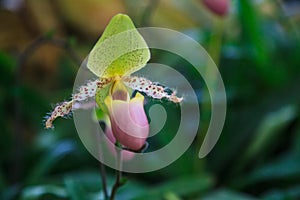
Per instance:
{"type": "Point", "coordinates": [112, 90]}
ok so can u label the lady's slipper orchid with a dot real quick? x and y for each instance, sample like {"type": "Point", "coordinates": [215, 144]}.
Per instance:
{"type": "Point", "coordinates": [128, 119]}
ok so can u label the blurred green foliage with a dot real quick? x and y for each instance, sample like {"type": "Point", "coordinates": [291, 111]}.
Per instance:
{"type": "Point", "coordinates": [257, 156]}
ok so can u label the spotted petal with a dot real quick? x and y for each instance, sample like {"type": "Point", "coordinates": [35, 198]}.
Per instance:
{"type": "Point", "coordinates": [79, 100]}
{"type": "Point", "coordinates": [151, 89]}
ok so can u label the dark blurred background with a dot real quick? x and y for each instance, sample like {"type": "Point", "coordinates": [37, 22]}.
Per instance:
{"type": "Point", "coordinates": [256, 45]}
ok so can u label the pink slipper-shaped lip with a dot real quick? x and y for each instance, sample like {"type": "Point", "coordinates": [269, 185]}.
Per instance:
{"type": "Point", "coordinates": [129, 122]}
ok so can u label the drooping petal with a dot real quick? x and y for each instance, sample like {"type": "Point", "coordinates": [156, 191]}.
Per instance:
{"type": "Point", "coordinates": [79, 100]}
{"type": "Point", "coordinates": [60, 110]}
{"type": "Point", "coordinates": [151, 89]}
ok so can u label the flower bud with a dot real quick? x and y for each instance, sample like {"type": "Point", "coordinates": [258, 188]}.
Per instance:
{"type": "Point", "coordinates": [128, 118]}
{"type": "Point", "coordinates": [219, 7]}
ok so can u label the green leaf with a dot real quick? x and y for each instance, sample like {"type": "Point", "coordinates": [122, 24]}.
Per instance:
{"type": "Point", "coordinates": [254, 36]}
{"type": "Point", "coordinates": [182, 187]}
{"type": "Point", "coordinates": [171, 196]}
{"type": "Point", "coordinates": [284, 169]}
{"type": "Point", "coordinates": [37, 192]}
{"type": "Point", "coordinates": [74, 189]}
{"type": "Point", "coordinates": [7, 64]}
{"type": "Point", "coordinates": [283, 194]}
{"type": "Point", "coordinates": [268, 131]}
{"type": "Point", "coordinates": [224, 194]}
{"type": "Point", "coordinates": [121, 50]}
{"type": "Point", "coordinates": [55, 154]}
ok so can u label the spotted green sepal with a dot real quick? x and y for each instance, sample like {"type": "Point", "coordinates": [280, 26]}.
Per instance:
{"type": "Point", "coordinates": [120, 51]}
{"type": "Point", "coordinates": [100, 97]}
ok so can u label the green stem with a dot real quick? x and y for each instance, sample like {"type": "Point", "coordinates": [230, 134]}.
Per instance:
{"type": "Point", "coordinates": [215, 44]}
{"type": "Point", "coordinates": [102, 166]}
{"type": "Point", "coordinates": [118, 182]}
{"type": "Point", "coordinates": [148, 12]}
{"type": "Point", "coordinates": [214, 50]}
{"type": "Point", "coordinates": [103, 178]}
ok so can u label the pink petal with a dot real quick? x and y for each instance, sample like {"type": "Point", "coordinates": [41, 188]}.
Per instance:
{"type": "Point", "coordinates": [126, 155]}
{"type": "Point", "coordinates": [219, 7]}
{"type": "Point", "coordinates": [137, 113]}
{"type": "Point", "coordinates": [129, 122]}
